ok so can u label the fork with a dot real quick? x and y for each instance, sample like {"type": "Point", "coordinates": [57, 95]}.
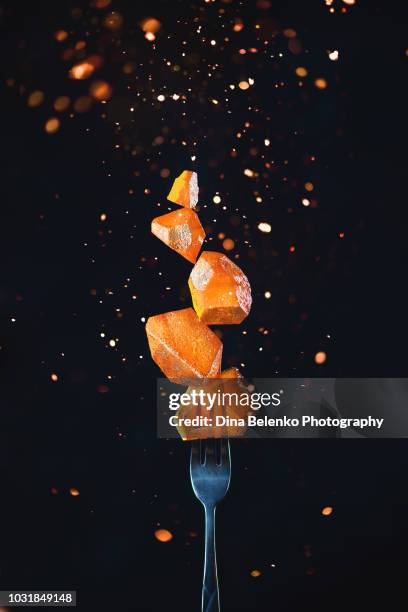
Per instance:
{"type": "Point", "coordinates": [210, 473]}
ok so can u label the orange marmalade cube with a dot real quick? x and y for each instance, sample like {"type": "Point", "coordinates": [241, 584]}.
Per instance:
{"type": "Point", "coordinates": [182, 231]}
{"type": "Point", "coordinates": [230, 384]}
{"type": "Point", "coordinates": [220, 291]}
{"type": "Point", "coordinates": [184, 191]}
{"type": "Point", "coordinates": [182, 346]}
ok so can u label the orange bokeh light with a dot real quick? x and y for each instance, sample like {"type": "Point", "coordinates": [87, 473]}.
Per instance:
{"type": "Point", "coordinates": [100, 90]}
{"type": "Point", "coordinates": [61, 35]}
{"type": "Point", "coordinates": [114, 21]}
{"type": "Point", "coordinates": [35, 99]}
{"type": "Point", "coordinates": [62, 103]}
{"type": "Point", "coordinates": [81, 71]}
{"type": "Point", "coordinates": [101, 3]}
{"type": "Point", "coordinates": [163, 535]}
{"type": "Point", "coordinates": [150, 24]}
{"type": "Point", "coordinates": [321, 83]}
{"type": "Point", "coordinates": [82, 104]}
{"type": "Point", "coordinates": [228, 244]}
{"type": "Point", "coordinates": [320, 357]}
{"type": "Point", "coordinates": [255, 573]}
{"type": "Point", "coordinates": [301, 71]}
{"type": "Point", "coordinates": [52, 125]}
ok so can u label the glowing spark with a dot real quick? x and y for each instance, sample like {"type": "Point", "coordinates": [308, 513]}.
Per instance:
{"type": "Point", "coordinates": [301, 71]}
{"type": "Point", "coordinates": [228, 244]}
{"type": "Point", "coordinates": [264, 227]}
{"type": "Point", "coordinates": [151, 25]}
{"type": "Point", "coordinates": [52, 125]}
{"type": "Point", "coordinates": [81, 71]}
{"type": "Point", "coordinates": [62, 103]}
{"type": "Point", "coordinates": [61, 35]}
{"type": "Point", "coordinates": [255, 573]}
{"type": "Point", "coordinates": [35, 99]}
{"type": "Point", "coordinates": [320, 83]}
{"type": "Point", "coordinates": [163, 535]}
{"type": "Point", "coordinates": [100, 90]}
{"type": "Point", "coordinates": [320, 357]}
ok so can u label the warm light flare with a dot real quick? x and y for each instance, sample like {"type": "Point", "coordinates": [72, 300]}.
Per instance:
{"type": "Point", "coordinates": [163, 535]}
{"type": "Point", "coordinates": [62, 103]}
{"type": "Point", "coordinates": [301, 71]}
{"type": "Point", "coordinates": [81, 71]}
{"type": "Point", "coordinates": [114, 21]}
{"type": "Point", "coordinates": [100, 4]}
{"type": "Point", "coordinates": [255, 573]}
{"type": "Point", "coordinates": [82, 104]}
{"type": "Point", "coordinates": [264, 227]}
{"type": "Point", "coordinates": [100, 90]}
{"type": "Point", "coordinates": [35, 99]}
{"type": "Point", "coordinates": [320, 357]}
{"type": "Point", "coordinates": [228, 244]}
{"type": "Point", "coordinates": [61, 35]}
{"type": "Point", "coordinates": [320, 83]}
{"type": "Point", "coordinates": [150, 24]}
{"type": "Point", "coordinates": [52, 125]}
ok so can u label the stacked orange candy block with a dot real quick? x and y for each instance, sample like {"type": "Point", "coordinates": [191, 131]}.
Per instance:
{"type": "Point", "coordinates": [181, 343]}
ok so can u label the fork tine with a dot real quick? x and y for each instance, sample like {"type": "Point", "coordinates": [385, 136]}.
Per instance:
{"type": "Point", "coordinates": [195, 452]}
{"type": "Point", "coordinates": [225, 452]}
{"type": "Point", "coordinates": [209, 451]}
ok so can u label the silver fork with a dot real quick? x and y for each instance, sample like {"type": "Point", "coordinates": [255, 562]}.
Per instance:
{"type": "Point", "coordinates": [210, 472]}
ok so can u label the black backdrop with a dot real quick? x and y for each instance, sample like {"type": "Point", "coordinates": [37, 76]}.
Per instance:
{"type": "Point", "coordinates": [94, 429]}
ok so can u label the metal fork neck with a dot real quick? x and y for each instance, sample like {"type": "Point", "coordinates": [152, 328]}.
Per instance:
{"type": "Point", "coordinates": [210, 597]}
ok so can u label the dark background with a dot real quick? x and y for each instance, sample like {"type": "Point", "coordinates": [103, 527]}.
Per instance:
{"type": "Point", "coordinates": [63, 282]}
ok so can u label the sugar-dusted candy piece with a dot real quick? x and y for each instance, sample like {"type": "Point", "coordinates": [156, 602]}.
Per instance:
{"type": "Point", "coordinates": [182, 346]}
{"type": "Point", "coordinates": [182, 231]}
{"type": "Point", "coordinates": [231, 373]}
{"type": "Point", "coordinates": [185, 190]}
{"type": "Point", "coordinates": [220, 291]}
{"type": "Point", "coordinates": [226, 413]}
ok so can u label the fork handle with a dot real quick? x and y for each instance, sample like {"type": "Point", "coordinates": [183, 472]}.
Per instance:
{"type": "Point", "coordinates": [210, 595]}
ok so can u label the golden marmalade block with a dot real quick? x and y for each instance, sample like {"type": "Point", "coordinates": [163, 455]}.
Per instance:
{"type": "Point", "coordinates": [182, 231]}
{"type": "Point", "coordinates": [184, 191]}
{"type": "Point", "coordinates": [231, 373]}
{"type": "Point", "coordinates": [182, 346]}
{"type": "Point", "coordinates": [228, 383]}
{"type": "Point", "coordinates": [220, 291]}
